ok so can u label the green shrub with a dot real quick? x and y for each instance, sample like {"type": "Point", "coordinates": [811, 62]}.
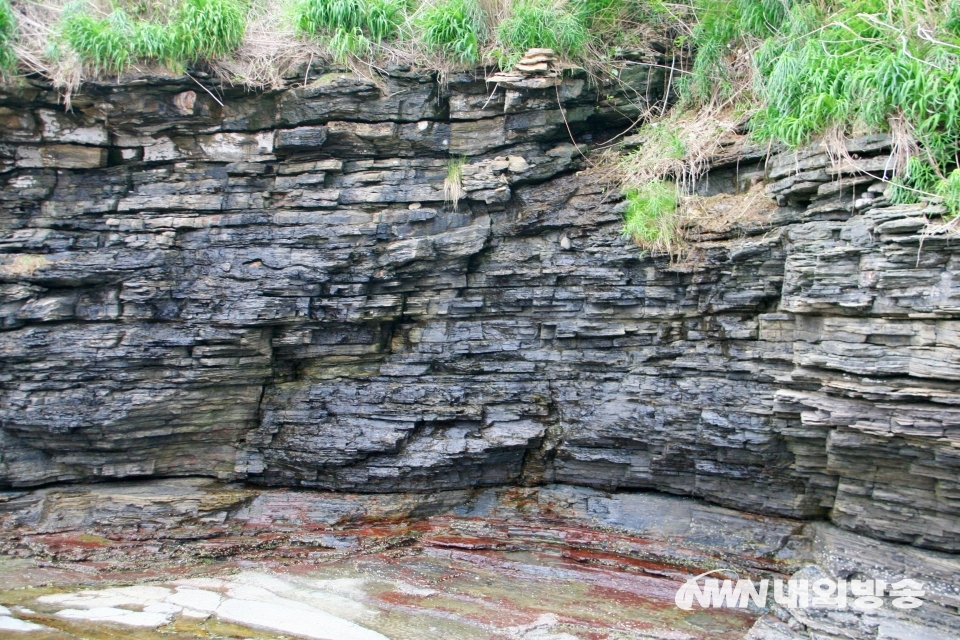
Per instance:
{"type": "Point", "coordinates": [208, 28]}
{"type": "Point", "coordinates": [454, 28]}
{"type": "Point", "coordinates": [549, 24]}
{"type": "Point", "coordinates": [650, 218]}
{"type": "Point", "coordinates": [8, 32]}
{"type": "Point", "coordinates": [354, 26]}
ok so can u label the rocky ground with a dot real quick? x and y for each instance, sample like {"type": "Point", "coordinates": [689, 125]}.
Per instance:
{"type": "Point", "coordinates": [195, 558]}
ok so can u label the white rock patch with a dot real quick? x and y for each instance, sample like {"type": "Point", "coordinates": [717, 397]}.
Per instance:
{"type": "Point", "coordinates": [9, 623]}
{"type": "Point", "coordinates": [114, 597]}
{"type": "Point", "coordinates": [195, 599]}
{"type": "Point", "coordinates": [117, 616]}
{"type": "Point", "coordinates": [304, 622]}
{"type": "Point", "coordinates": [289, 606]}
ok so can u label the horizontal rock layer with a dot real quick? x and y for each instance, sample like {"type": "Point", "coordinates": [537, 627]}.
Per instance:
{"type": "Point", "coordinates": [276, 290]}
{"type": "Point", "coordinates": [152, 531]}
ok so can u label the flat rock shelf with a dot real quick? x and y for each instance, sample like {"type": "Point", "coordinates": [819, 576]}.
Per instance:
{"type": "Point", "coordinates": [195, 558]}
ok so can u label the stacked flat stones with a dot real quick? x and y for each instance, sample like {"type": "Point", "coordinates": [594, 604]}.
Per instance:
{"type": "Point", "coordinates": [536, 64]}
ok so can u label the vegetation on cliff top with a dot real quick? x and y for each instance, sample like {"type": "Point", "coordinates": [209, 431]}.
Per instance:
{"type": "Point", "coordinates": [798, 70]}
{"type": "Point", "coordinates": [195, 29]}
{"type": "Point", "coordinates": [256, 41]}
{"type": "Point", "coordinates": [848, 66]}
{"type": "Point", "coordinates": [792, 70]}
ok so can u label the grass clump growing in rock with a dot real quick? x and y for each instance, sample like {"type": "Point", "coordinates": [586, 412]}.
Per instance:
{"type": "Point", "coordinates": [650, 218]}
{"type": "Point", "coordinates": [673, 151]}
{"type": "Point", "coordinates": [453, 183]}
{"type": "Point", "coordinates": [208, 28]}
{"type": "Point", "coordinates": [949, 189]}
{"type": "Point", "coordinates": [105, 43]}
{"type": "Point", "coordinates": [352, 27]}
{"type": "Point", "coordinates": [454, 28]}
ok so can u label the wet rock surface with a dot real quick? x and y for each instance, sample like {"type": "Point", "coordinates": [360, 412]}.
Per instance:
{"type": "Point", "coordinates": [275, 291]}
{"type": "Point", "coordinates": [191, 557]}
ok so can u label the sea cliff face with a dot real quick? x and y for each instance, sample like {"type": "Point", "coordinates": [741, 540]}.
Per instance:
{"type": "Point", "coordinates": [275, 288]}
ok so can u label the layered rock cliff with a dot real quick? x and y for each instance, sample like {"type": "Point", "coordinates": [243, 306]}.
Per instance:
{"type": "Point", "coordinates": [272, 288]}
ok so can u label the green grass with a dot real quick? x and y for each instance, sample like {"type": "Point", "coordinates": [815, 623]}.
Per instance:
{"type": "Point", "coordinates": [104, 43]}
{"type": "Point", "coordinates": [952, 23]}
{"type": "Point", "coordinates": [316, 16]}
{"type": "Point", "coordinates": [595, 12]}
{"type": "Point", "coordinates": [197, 29]}
{"type": "Point", "coordinates": [151, 41]}
{"type": "Point", "coordinates": [352, 27]}
{"type": "Point", "coordinates": [546, 24]}
{"type": "Point", "coordinates": [949, 190]}
{"type": "Point", "coordinates": [847, 65]}
{"type": "Point", "coordinates": [467, 33]}
{"type": "Point", "coordinates": [720, 24]}
{"type": "Point", "coordinates": [208, 28]}
{"type": "Point", "coordinates": [650, 218]}
{"type": "Point", "coordinates": [453, 183]}
{"type": "Point", "coordinates": [8, 33]}
{"type": "Point", "coordinates": [454, 28]}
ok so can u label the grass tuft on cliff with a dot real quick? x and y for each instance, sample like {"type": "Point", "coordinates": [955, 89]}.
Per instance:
{"type": "Point", "coordinates": [455, 29]}
{"type": "Point", "coordinates": [194, 29]}
{"type": "Point", "coordinates": [650, 218]}
{"type": "Point", "coordinates": [207, 28]}
{"type": "Point", "coordinates": [453, 183]}
{"type": "Point", "coordinates": [351, 27]}
{"type": "Point", "coordinates": [542, 23]}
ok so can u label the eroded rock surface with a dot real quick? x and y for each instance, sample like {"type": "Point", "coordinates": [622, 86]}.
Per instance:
{"type": "Point", "coordinates": [189, 555]}
{"type": "Point", "coordinates": [276, 291]}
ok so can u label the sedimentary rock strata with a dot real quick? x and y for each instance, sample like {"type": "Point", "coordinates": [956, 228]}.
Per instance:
{"type": "Point", "coordinates": [276, 290]}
